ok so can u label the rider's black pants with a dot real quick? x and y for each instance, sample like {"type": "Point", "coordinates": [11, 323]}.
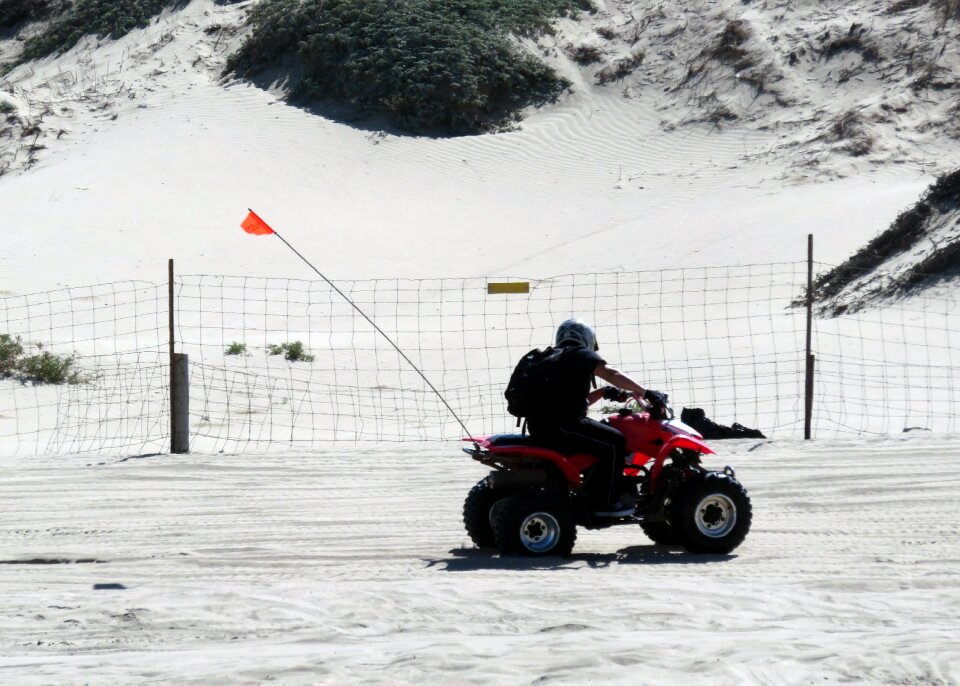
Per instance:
{"type": "Point", "coordinates": [588, 436]}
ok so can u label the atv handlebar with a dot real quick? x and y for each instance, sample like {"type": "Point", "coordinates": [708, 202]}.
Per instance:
{"type": "Point", "coordinates": [656, 410]}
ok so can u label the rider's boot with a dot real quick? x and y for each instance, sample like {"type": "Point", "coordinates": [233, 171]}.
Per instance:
{"type": "Point", "coordinates": [625, 506]}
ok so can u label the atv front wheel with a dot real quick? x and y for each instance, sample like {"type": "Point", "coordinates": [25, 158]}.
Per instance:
{"type": "Point", "coordinates": [661, 533]}
{"type": "Point", "coordinates": [534, 523]}
{"type": "Point", "coordinates": [714, 516]}
{"type": "Point", "coordinates": [477, 518]}
{"type": "Point", "coordinates": [666, 531]}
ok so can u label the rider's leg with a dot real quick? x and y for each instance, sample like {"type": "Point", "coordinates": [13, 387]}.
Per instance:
{"type": "Point", "coordinates": [609, 445]}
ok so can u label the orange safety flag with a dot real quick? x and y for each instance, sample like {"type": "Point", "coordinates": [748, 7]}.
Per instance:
{"type": "Point", "coordinates": [255, 225]}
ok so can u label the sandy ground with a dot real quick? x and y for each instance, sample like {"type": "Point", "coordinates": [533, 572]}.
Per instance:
{"type": "Point", "coordinates": [353, 567]}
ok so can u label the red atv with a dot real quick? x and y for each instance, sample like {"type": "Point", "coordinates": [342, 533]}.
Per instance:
{"type": "Point", "coordinates": [532, 503]}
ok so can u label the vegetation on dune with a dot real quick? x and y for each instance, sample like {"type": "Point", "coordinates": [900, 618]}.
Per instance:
{"type": "Point", "coordinates": [113, 18]}
{"type": "Point", "coordinates": [949, 9]}
{"type": "Point", "coordinates": [910, 228]}
{"type": "Point", "coordinates": [430, 66]}
{"type": "Point", "coordinates": [291, 351]}
{"type": "Point", "coordinates": [13, 12]}
{"type": "Point", "coordinates": [44, 367]}
{"type": "Point", "coordinates": [236, 348]}
{"type": "Point", "coordinates": [10, 350]}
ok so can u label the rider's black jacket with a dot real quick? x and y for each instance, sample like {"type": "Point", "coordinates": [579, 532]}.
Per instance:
{"type": "Point", "coordinates": [572, 379]}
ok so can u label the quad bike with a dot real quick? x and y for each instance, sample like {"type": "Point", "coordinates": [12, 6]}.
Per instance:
{"type": "Point", "coordinates": [533, 501]}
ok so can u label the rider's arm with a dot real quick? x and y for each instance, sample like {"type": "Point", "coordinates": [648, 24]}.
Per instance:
{"type": "Point", "coordinates": [594, 396]}
{"type": "Point", "coordinates": [618, 379]}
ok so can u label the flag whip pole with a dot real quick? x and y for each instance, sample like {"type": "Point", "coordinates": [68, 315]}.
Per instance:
{"type": "Point", "coordinates": [378, 329]}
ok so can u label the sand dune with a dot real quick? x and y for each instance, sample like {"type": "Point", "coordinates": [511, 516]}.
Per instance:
{"type": "Point", "coordinates": [348, 566]}
{"type": "Point", "coordinates": [145, 149]}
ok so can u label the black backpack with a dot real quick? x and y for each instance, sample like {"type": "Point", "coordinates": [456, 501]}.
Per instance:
{"type": "Point", "coordinates": [532, 381]}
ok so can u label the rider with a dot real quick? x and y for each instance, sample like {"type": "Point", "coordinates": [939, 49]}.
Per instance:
{"type": "Point", "coordinates": [563, 418]}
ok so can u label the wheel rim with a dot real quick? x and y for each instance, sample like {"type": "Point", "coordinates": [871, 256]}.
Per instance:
{"type": "Point", "coordinates": [539, 532]}
{"type": "Point", "coordinates": [716, 515]}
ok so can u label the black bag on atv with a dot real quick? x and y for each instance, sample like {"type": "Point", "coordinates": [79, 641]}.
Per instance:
{"type": "Point", "coordinates": [531, 383]}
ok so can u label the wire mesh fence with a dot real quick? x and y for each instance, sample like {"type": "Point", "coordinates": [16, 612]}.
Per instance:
{"type": "Point", "coordinates": [276, 363]}
{"type": "Point", "coordinates": [112, 336]}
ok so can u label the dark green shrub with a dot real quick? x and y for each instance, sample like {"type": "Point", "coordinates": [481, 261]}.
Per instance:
{"type": "Point", "coordinates": [43, 367]}
{"type": "Point", "coordinates": [432, 66]}
{"type": "Point", "coordinates": [10, 351]}
{"type": "Point", "coordinates": [114, 18]}
{"type": "Point", "coordinates": [46, 367]}
{"type": "Point", "coordinates": [292, 352]}
{"type": "Point", "coordinates": [236, 348]}
{"type": "Point", "coordinates": [13, 12]}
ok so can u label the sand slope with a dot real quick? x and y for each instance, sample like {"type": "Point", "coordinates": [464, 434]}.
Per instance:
{"type": "Point", "coordinates": [137, 152]}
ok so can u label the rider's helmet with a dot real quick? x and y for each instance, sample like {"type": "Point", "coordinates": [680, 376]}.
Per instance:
{"type": "Point", "coordinates": [577, 331]}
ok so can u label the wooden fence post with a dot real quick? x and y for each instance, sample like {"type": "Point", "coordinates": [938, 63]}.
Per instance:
{"type": "Point", "coordinates": [179, 383]}
{"type": "Point", "coordinates": [809, 361]}
{"type": "Point", "coordinates": [180, 405]}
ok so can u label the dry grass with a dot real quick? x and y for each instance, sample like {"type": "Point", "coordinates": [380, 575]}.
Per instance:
{"type": "Point", "coordinates": [909, 228]}
{"type": "Point", "coordinates": [948, 9]}
{"type": "Point", "coordinates": [737, 32]}
{"type": "Point", "coordinates": [867, 50]}
{"type": "Point", "coordinates": [851, 128]}
{"type": "Point", "coordinates": [729, 48]}
{"type": "Point", "coordinates": [904, 5]}
{"type": "Point", "coordinates": [607, 32]}
{"type": "Point", "coordinates": [933, 77]}
{"type": "Point", "coordinates": [621, 68]}
{"type": "Point", "coordinates": [585, 54]}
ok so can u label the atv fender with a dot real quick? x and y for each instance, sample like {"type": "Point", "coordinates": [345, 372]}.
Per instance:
{"type": "Point", "coordinates": [524, 478]}
{"type": "Point", "coordinates": [571, 466]}
{"type": "Point", "coordinates": [681, 441]}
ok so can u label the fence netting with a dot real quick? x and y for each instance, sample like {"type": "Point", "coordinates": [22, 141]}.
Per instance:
{"type": "Point", "coordinates": [113, 336]}
{"type": "Point", "coordinates": [280, 363]}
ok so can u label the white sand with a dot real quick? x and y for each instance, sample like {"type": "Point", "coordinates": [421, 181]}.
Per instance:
{"type": "Point", "coordinates": [352, 567]}
{"type": "Point", "coordinates": [148, 156]}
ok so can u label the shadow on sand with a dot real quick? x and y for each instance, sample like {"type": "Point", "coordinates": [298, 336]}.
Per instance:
{"type": "Point", "coordinates": [472, 559]}
{"type": "Point", "coordinates": [142, 456]}
{"type": "Point", "coordinates": [280, 81]}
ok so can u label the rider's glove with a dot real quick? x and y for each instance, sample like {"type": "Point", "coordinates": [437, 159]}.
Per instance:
{"type": "Point", "coordinates": [655, 397]}
{"type": "Point", "coordinates": [612, 393]}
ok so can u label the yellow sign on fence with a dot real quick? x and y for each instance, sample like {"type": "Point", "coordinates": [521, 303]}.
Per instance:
{"type": "Point", "coordinates": [515, 287]}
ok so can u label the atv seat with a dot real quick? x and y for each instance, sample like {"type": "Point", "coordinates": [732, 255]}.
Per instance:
{"type": "Point", "coordinates": [525, 440]}
{"type": "Point", "coordinates": [513, 439]}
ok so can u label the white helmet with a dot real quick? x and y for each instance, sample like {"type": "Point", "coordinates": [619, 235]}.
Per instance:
{"type": "Point", "coordinates": [577, 331]}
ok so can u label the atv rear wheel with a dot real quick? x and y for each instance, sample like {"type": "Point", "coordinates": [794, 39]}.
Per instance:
{"type": "Point", "coordinates": [713, 516]}
{"type": "Point", "coordinates": [534, 523]}
{"type": "Point", "coordinates": [477, 517]}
